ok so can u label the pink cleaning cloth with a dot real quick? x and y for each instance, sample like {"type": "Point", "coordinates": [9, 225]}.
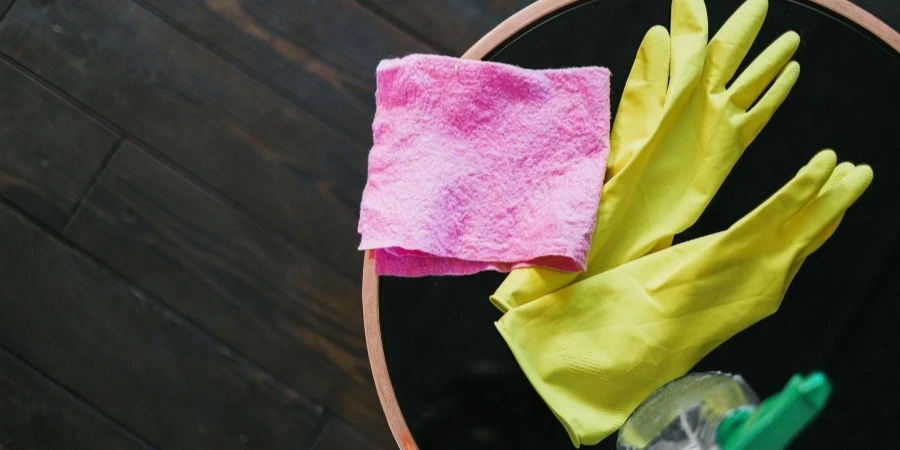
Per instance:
{"type": "Point", "coordinates": [483, 166]}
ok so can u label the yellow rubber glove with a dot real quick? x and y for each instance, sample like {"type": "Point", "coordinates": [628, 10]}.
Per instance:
{"type": "Point", "coordinates": [675, 138]}
{"type": "Point", "coordinates": [595, 349]}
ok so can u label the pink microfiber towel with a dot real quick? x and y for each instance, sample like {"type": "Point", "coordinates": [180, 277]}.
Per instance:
{"type": "Point", "coordinates": [483, 166]}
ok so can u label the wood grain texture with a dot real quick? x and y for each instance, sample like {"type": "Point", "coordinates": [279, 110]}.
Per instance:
{"type": "Point", "coordinates": [206, 115]}
{"type": "Point", "coordinates": [323, 52]}
{"type": "Point", "coordinates": [36, 412]}
{"type": "Point", "coordinates": [337, 435]}
{"type": "Point", "coordinates": [250, 288]}
{"type": "Point", "coordinates": [134, 359]}
{"type": "Point", "coordinates": [454, 24]}
{"type": "Point", "coordinates": [359, 406]}
{"type": "Point", "coordinates": [51, 151]}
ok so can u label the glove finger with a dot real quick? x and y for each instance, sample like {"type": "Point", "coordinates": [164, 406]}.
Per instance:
{"type": "Point", "coordinates": [642, 99]}
{"type": "Point", "coordinates": [732, 42]}
{"type": "Point", "coordinates": [753, 81]}
{"type": "Point", "coordinates": [650, 72]}
{"type": "Point", "coordinates": [757, 117]}
{"type": "Point", "coordinates": [798, 192]}
{"type": "Point", "coordinates": [841, 171]}
{"type": "Point", "coordinates": [690, 31]}
{"type": "Point", "coordinates": [820, 237]}
{"type": "Point", "coordinates": [832, 203]}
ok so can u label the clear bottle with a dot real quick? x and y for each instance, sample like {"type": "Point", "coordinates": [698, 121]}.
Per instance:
{"type": "Point", "coordinates": [685, 413]}
{"type": "Point", "coordinates": [718, 411]}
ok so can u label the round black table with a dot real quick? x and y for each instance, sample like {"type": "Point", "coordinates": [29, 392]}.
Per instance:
{"type": "Point", "coordinates": [456, 384]}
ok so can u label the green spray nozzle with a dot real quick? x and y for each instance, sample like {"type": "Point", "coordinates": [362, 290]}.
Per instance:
{"type": "Point", "coordinates": [780, 418]}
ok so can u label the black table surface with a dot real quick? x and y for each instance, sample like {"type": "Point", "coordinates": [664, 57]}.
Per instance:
{"type": "Point", "coordinates": [459, 387]}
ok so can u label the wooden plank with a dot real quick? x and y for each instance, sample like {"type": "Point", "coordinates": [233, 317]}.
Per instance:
{"type": "Point", "coordinates": [51, 151]}
{"type": "Point", "coordinates": [359, 406]}
{"type": "Point", "coordinates": [260, 295]}
{"type": "Point", "coordinates": [337, 435]}
{"type": "Point", "coordinates": [133, 358]}
{"type": "Point", "coordinates": [201, 112]}
{"type": "Point", "coordinates": [36, 412]}
{"type": "Point", "coordinates": [322, 52]}
{"type": "Point", "coordinates": [454, 24]}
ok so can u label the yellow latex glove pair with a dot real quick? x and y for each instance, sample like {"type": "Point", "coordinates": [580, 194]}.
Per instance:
{"type": "Point", "coordinates": [677, 133]}
{"type": "Point", "coordinates": [595, 344]}
{"type": "Point", "coordinates": [596, 349]}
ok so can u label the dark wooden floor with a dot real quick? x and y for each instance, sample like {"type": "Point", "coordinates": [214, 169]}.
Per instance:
{"type": "Point", "coordinates": [179, 185]}
{"type": "Point", "coordinates": [180, 182]}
